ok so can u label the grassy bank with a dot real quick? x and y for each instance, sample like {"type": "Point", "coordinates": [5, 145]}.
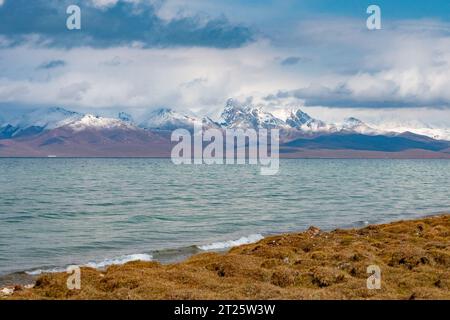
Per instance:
{"type": "Point", "coordinates": [414, 258]}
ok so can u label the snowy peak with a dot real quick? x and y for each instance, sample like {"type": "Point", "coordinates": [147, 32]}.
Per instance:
{"type": "Point", "coordinates": [298, 119]}
{"type": "Point", "coordinates": [355, 125]}
{"type": "Point", "coordinates": [245, 116]}
{"type": "Point", "coordinates": [237, 115]}
{"type": "Point", "coordinates": [46, 118]}
{"type": "Point", "coordinates": [90, 121]}
{"type": "Point", "coordinates": [294, 119]}
{"type": "Point", "coordinates": [39, 120]}
{"type": "Point", "coordinates": [353, 122]}
{"type": "Point", "coordinates": [302, 121]}
{"type": "Point", "coordinates": [266, 120]}
{"type": "Point", "coordinates": [168, 119]}
{"type": "Point", "coordinates": [207, 122]}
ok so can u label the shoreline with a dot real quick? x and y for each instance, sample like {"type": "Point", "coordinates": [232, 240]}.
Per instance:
{"type": "Point", "coordinates": [164, 256]}
{"type": "Point", "coordinates": [169, 255]}
{"type": "Point", "coordinates": [413, 255]}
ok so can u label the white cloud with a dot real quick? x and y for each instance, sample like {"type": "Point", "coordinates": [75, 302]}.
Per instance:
{"type": "Point", "coordinates": [176, 9]}
{"type": "Point", "coordinates": [104, 3]}
{"type": "Point", "coordinates": [109, 3]}
{"type": "Point", "coordinates": [2, 2]}
{"type": "Point", "coordinates": [402, 65]}
{"type": "Point", "coordinates": [343, 63]}
{"type": "Point", "coordinates": [138, 77]}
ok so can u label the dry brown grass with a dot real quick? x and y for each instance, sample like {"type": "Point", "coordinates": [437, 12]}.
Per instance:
{"type": "Point", "coordinates": [414, 257]}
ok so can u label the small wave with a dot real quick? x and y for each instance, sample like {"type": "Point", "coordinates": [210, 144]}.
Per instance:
{"type": "Point", "coordinates": [360, 223]}
{"type": "Point", "coordinates": [232, 243]}
{"type": "Point", "coordinates": [40, 271]}
{"type": "Point", "coordinates": [119, 260]}
{"type": "Point", "coordinates": [98, 265]}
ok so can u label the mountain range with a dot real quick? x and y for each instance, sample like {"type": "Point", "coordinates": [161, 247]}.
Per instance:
{"type": "Point", "coordinates": [60, 132]}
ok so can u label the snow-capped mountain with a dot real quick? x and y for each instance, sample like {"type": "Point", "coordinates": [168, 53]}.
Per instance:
{"type": "Point", "coordinates": [243, 116]}
{"type": "Point", "coordinates": [417, 127]}
{"type": "Point", "coordinates": [357, 126]}
{"type": "Point", "coordinates": [304, 122]}
{"type": "Point", "coordinates": [435, 133]}
{"type": "Point", "coordinates": [207, 122]}
{"type": "Point", "coordinates": [39, 120]}
{"type": "Point", "coordinates": [57, 131]}
{"type": "Point", "coordinates": [90, 121]}
{"type": "Point", "coordinates": [42, 120]}
{"type": "Point", "coordinates": [47, 118]}
{"type": "Point", "coordinates": [235, 115]}
{"type": "Point", "coordinates": [168, 119]}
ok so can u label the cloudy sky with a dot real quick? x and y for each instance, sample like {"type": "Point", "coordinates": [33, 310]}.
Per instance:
{"type": "Point", "coordinates": [136, 55]}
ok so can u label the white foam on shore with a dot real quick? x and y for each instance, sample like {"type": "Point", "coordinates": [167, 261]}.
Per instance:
{"type": "Point", "coordinates": [119, 260]}
{"type": "Point", "coordinates": [99, 265]}
{"type": "Point", "coordinates": [40, 271]}
{"type": "Point", "coordinates": [147, 257]}
{"type": "Point", "coordinates": [231, 243]}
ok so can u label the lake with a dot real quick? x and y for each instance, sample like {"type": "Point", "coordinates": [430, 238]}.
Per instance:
{"type": "Point", "coordinates": [55, 212]}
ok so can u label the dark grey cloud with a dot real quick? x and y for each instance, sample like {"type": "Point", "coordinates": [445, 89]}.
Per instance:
{"type": "Point", "coordinates": [121, 24]}
{"type": "Point", "coordinates": [52, 64]}
{"type": "Point", "coordinates": [342, 96]}
{"type": "Point", "coordinates": [289, 61]}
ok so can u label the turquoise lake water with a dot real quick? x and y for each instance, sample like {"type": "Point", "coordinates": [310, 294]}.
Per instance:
{"type": "Point", "coordinates": [56, 212]}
